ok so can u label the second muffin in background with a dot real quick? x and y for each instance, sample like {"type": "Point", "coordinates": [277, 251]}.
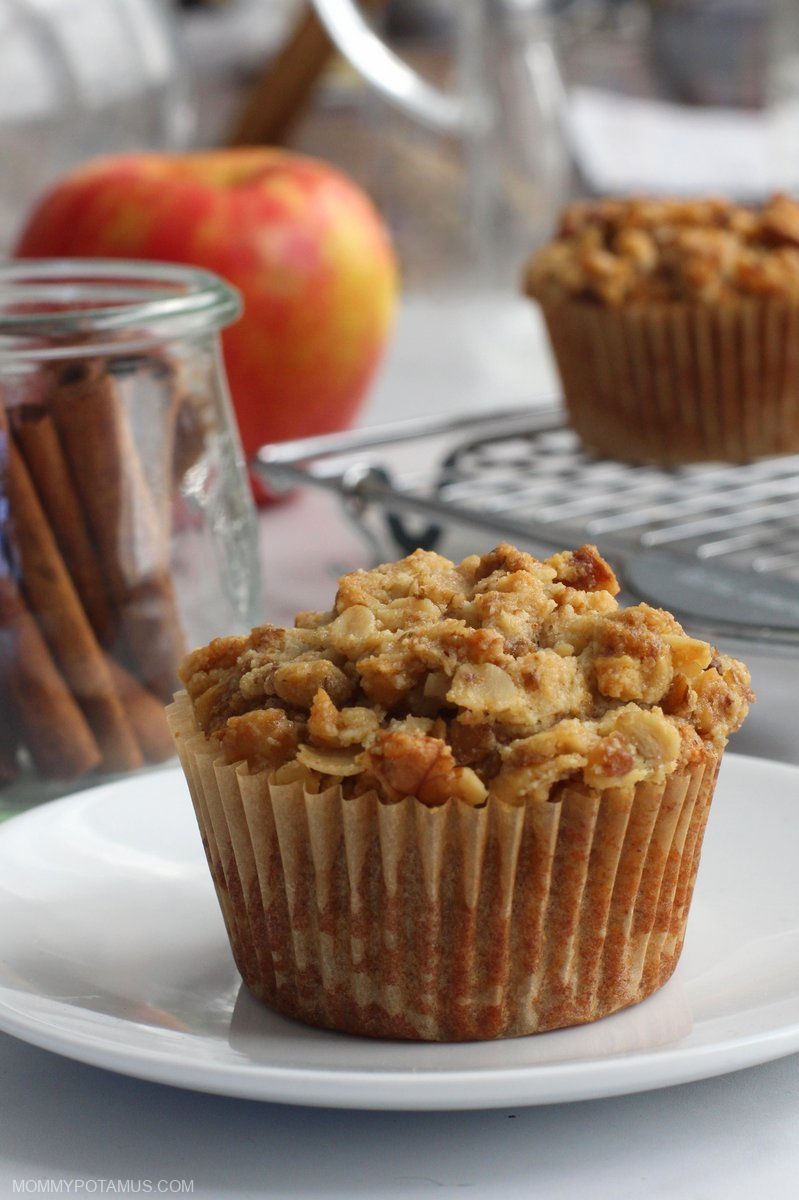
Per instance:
{"type": "Point", "coordinates": [675, 327]}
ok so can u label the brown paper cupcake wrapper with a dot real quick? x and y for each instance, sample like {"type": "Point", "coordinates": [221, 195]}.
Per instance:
{"type": "Point", "coordinates": [680, 383]}
{"type": "Point", "coordinates": [448, 923]}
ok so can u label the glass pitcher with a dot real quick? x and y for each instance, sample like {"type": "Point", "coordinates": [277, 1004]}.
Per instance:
{"type": "Point", "coordinates": [79, 78]}
{"type": "Point", "coordinates": [683, 97]}
{"type": "Point", "coordinates": [506, 116]}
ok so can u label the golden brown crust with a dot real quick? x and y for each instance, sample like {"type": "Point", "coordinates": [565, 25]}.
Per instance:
{"type": "Point", "coordinates": [614, 252]}
{"type": "Point", "coordinates": [504, 675]}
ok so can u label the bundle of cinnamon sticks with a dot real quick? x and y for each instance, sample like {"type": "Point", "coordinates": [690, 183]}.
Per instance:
{"type": "Point", "coordinates": [90, 636]}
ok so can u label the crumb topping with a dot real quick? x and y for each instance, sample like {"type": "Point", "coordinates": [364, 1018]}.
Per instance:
{"type": "Point", "coordinates": [504, 675]}
{"type": "Point", "coordinates": [613, 252]}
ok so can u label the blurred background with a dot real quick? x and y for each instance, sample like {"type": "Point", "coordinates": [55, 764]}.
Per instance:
{"type": "Point", "coordinates": [585, 96]}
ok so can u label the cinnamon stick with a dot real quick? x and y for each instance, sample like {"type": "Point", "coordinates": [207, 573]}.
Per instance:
{"type": "Point", "coordinates": [145, 713]}
{"type": "Point", "coordinates": [37, 438]}
{"type": "Point", "coordinates": [9, 741]}
{"type": "Point", "coordinates": [280, 95]}
{"type": "Point", "coordinates": [56, 605]}
{"type": "Point", "coordinates": [122, 519]}
{"type": "Point", "coordinates": [51, 726]}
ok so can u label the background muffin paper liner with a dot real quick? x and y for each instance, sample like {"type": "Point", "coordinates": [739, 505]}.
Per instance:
{"type": "Point", "coordinates": [680, 382]}
{"type": "Point", "coordinates": [448, 923]}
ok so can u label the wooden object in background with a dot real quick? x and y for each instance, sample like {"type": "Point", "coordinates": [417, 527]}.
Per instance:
{"type": "Point", "coordinates": [122, 519]}
{"type": "Point", "coordinates": [145, 713]}
{"type": "Point", "coordinates": [37, 438]}
{"type": "Point", "coordinates": [280, 95]}
{"type": "Point", "coordinates": [52, 599]}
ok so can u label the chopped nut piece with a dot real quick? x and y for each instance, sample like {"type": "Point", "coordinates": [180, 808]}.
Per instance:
{"type": "Point", "coordinates": [298, 682]}
{"type": "Point", "coordinates": [436, 686]}
{"type": "Point", "coordinates": [528, 693]}
{"type": "Point", "coordinates": [585, 570]}
{"type": "Point", "coordinates": [330, 728]}
{"type": "Point", "coordinates": [689, 657]}
{"type": "Point", "coordinates": [354, 632]}
{"type": "Point", "coordinates": [678, 697]}
{"type": "Point", "coordinates": [612, 759]}
{"type": "Point", "coordinates": [416, 765]}
{"type": "Point", "coordinates": [634, 661]}
{"type": "Point", "coordinates": [265, 737]}
{"type": "Point", "coordinates": [622, 677]}
{"type": "Point", "coordinates": [484, 688]}
{"type": "Point", "coordinates": [312, 620]}
{"type": "Point", "coordinates": [339, 763]}
{"type": "Point", "coordinates": [474, 744]}
{"type": "Point", "coordinates": [781, 221]}
{"type": "Point", "coordinates": [504, 559]}
{"type": "Point", "coordinates": [723, 696]}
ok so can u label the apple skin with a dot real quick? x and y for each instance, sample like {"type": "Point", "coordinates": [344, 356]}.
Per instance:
{"type": "Point", "coordinates": [301, 242]}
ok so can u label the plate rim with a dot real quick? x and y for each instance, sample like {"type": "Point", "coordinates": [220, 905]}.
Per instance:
{"type": "Point", "coordinates": [409, 1089]}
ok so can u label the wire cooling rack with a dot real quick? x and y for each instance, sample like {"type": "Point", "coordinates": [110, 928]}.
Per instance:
{"type": "Point", "coordinates": [716, 543]}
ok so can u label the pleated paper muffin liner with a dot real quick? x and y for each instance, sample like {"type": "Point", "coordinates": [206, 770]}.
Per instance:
{"type": "Point", "coordinates": [675, 383]}
{"type": "Point", "coordinates": [449, 923]}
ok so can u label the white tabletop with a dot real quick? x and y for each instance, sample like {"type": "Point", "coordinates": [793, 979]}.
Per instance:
{"type": "Point", "coordinates": [77, 1130]}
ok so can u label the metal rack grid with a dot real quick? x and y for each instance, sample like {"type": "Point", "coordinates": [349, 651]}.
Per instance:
{"type": "Point", "coordinates": [717, 543]}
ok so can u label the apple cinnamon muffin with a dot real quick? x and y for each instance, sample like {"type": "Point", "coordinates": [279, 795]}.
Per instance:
{"type": "Point", "coordinates": [673, 324]}
{"type": "Point", "coordinates": [468, 802]}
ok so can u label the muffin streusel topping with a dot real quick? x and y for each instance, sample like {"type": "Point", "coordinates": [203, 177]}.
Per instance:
{"type": "Point", "coordinates": [613, 252]}
{"type": "Point", "coordinates": [504, 675]}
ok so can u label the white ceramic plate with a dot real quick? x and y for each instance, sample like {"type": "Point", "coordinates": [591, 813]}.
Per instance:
{"type": "Point", "coordinates": [112, 951]}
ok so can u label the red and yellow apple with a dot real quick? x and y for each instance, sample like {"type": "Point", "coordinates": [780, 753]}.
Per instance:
{"type": "Point", "coordinates": [302, 243]}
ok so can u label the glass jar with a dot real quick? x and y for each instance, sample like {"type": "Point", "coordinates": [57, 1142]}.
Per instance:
{"type": "Point", "coordinates": [127, 527]}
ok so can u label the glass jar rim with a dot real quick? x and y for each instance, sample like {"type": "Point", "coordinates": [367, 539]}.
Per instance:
{"type": "Point", "coordinates": [66, 300]}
